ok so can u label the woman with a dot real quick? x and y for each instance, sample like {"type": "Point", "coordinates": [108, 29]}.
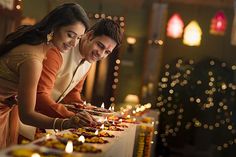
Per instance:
{"type": "Point", "coordinates": [21, 56]}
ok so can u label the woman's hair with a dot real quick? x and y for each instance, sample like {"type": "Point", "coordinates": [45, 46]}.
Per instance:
{"type": "Point", "coordinates": [108, 28]}
{"type": "Point", "coordinates": [63, 15]}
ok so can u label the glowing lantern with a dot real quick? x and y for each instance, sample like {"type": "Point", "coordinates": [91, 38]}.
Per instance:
{"type": "Point", "coordinates": [175, 26]}
{"type": "Point", "coordinates": [218, 24]}
{"type": "Point", "coordinates": [192, 34]}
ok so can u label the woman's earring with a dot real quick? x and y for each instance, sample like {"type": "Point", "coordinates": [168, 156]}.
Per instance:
{"type": "Point", "coordinates": [49, 37]}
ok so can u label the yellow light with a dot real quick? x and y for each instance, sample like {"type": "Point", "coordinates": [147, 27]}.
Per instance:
{"type": "Point", "coordinates": [212, 62]}
{"type": "Point", "coordinates": [160, 42]}
{"type": "Point", "coordinates": [192, 34]}
{"type": "Point", "coordinates": [191, 62]}
{"type": "Point", "coordinates": [117, 61]}
{"type": "Point", "coordinates": [116, 67]}
{"type": "Point", "coordinates": [219, 148]}
{"type": "Point", "coordinates": [69, 147]}
{"type": "Point", "coordinates": [35, 155]}
{"type": "Point", "coordinates": [217, 125]}
{"type": "Point", "coordinates": [230, 127]}
{"type": "Point", "coordinates": [113, 86]}
{"type": "Point", "coordinates": [131, 40]}
{"type": "Point", "coordinates": [167, 66]}
{"type": "Point", "coordinates": [115, 74]}
{"type": "Point", "coordinates": [18, 7]}
{"type": "Point", "coordinates": [96, 15]}
{"type": "Point", "coordinates": [225, 145]}
{"type": "Point", "coordinates": [109, 17]}
{"type": "Point", "coordinates": [122, 18]}
{"type": "Point", "coordinates": [198, 100]}
{"type": "Point", "coordinates": [122, 24]}
{"type": "Point", "coordinates": [234, 67]}
{"type": "Point", "coordinates": [112, 99]}
{"type": "Point", "coordinates": [116, 80]}
{"type": "Point", "coordinates": [103, 15]}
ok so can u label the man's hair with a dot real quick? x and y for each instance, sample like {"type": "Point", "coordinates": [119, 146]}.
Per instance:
{"type": "Point", "coordinates": [108, 28]}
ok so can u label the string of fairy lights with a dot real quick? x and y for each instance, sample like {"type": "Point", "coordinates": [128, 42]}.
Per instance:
{"type": "Point", "coordinates": [183, 100]}
{"type": "Point", "coordinates": [18, 4]}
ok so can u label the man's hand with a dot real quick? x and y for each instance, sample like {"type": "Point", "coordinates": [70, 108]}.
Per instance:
{"type": "Point", "coordinates": [81, 119]}
{"type": "Point", "coordinates": [87, 118]}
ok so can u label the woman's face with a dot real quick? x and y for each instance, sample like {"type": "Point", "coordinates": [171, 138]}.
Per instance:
{"type": "Point", "coordinates": [67, 37]}
{"type": "Point", "coordinates": [97, 48]}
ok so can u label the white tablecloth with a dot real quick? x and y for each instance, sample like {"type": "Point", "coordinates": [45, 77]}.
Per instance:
{"type": "Point", "coordinates": [120, 146]}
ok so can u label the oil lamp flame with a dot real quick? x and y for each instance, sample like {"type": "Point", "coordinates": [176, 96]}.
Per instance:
{"type": "Point", "coordinates": [69, 147]}
{"type": "Point", "coordinates": [47, 136]}
{"type": "Point", "coordinates": [81, 139]}
{"type": "Point", "coordinates": [102, 127]}
{"type": "Point", "coordinates": [103, 106]}
{"type": "Point", "coordinates": [105, 119]}
{"type": "Point", "coordinates": [35, 155]}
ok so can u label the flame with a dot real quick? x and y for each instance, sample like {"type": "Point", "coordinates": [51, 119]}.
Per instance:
{"type": "Point", "coordinates": [96, 132]}
{"type": "Point", "coordinates": [134, 119]}
{"type": "Point", "coordinates": [69, 147]}
{"type": "Point", "coordinates": [102, 127]}
{"type": "Point", "coordinates": [81, 139]}
{"type": "Point", "coordinates": [47, 136]}
{"type": "Point", "coordinates": [120, 120]}
{"type": "Point", "coordinates": [35, 155]}
{"type": "Point", "coordinates": [113, 108]}
{"type": "Point", "coordinates": [110, 108]}
{"type": "Point", "coordinates": [105, 120]}
{"type": "Point", "coordinates": [100, 120]}
{"type": "Point", "coordinates": [85, 102]}
{"type": "Point", "coordinates": [103, 106]}
{"type": "Point", "coordinates": [128, 116]}
{"type": "Point", "coordinates": [113, 122]}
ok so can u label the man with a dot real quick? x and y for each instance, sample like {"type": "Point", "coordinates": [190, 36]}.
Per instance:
{"type": "Point", "coordinates": [64, 74]}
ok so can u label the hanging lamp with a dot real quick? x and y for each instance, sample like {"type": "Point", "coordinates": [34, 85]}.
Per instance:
{"type": "Point", "coordinates": [175, 26]}
{"type": "Point", "coordinates": [192, 34]}
{"type": "Point", "coordinates": [218, 24]}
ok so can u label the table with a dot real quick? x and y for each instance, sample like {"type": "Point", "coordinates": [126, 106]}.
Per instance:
{"type": "Point", "coordinates": [121, 145]}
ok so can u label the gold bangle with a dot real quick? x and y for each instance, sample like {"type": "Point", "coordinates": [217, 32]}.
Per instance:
{"type": "Point", "coordinates": [54, 124]}
{"type": "Point", "coordinates": [63, 121]}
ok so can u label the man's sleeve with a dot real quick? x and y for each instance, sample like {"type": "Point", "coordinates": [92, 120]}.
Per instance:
{"type": "Point", "coordinates": [44, 103]}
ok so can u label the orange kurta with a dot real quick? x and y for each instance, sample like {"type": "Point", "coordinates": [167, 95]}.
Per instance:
{"type": "Point", "coordinates": [45, 103]}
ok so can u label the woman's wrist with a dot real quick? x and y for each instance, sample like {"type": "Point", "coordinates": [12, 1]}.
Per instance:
{"type": "Point", "coordinates": [64, 124]}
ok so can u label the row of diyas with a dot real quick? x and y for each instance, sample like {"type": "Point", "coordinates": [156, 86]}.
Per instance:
{"type": "Point", "coordinates": [70, 142]}
{"type": "Point", "coordinates": [65, 144]}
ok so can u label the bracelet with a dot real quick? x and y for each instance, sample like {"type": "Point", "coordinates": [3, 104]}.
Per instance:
{"type": "Point", "coordinates": [63, 121]}
{"type": "Point", "coordinates": [54, 124]}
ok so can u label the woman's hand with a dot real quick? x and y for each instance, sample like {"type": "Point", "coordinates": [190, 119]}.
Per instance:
{"type": "Point", "coordinates": [81, 119]}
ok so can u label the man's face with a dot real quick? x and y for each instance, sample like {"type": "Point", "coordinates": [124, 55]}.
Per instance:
{"type": "Point", "coordinates": [97, 48]}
